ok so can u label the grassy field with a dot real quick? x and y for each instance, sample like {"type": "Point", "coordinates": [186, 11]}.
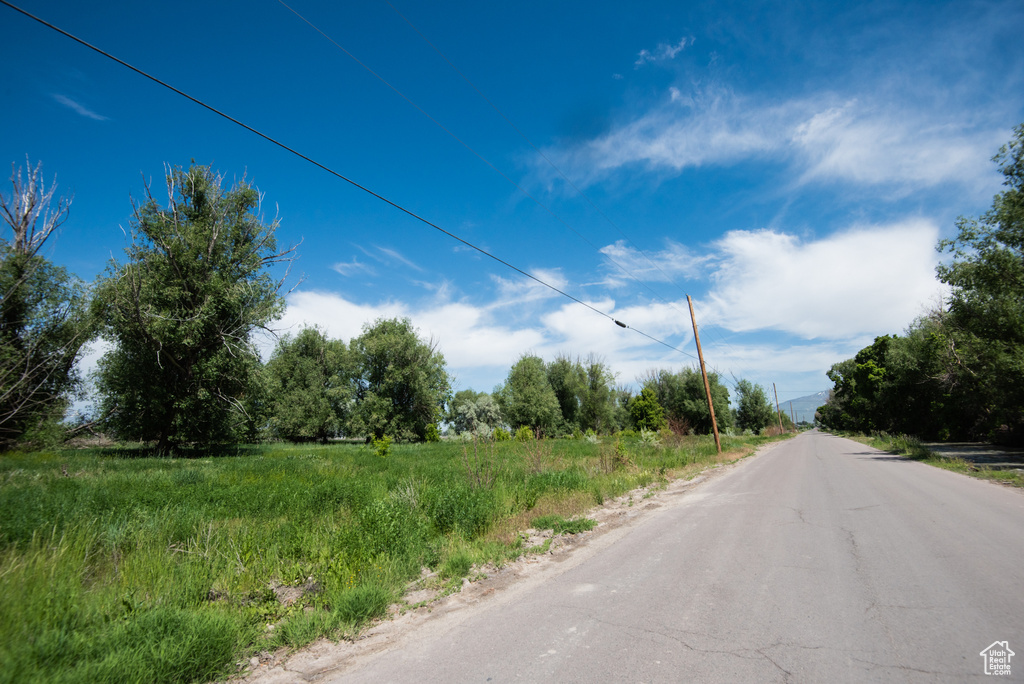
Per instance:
{"type": "Point", "coordinates": [119, 567]}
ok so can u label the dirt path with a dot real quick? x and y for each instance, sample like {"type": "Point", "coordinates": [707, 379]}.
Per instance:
{"type": "Point", "coordinates": [498, 586]}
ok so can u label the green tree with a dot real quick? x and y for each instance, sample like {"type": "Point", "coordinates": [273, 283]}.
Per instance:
{"type": "Point", "coordinates": [863, 387]}
{"type": "Point", "coordinates": [402, 383]}
{"type": "Point", "coordinates": [646, 410]}
{"type": "Point", "coordinates": [754, 410]}
{"type": "Point", "coordinates": [310, 387]}
{"type": "Point", "coordinates": [598, 402]}
{"type": "Point", "coordinates": [43, 313]}
{"type": "Point", "coordinates": [180, 312]}
{"type": "Point", "coordinates": [905, 384]}
{"type": "Point", "coordinates": [986, 302]}
{"type": "Point", "coordinates": [685, 401]}
{"type": "Point", "coordinates": [622, 396]}
{"type": "Point", "coordinates": [526, 397]}
{"type": "Point", "coordinates": [568, 380]}
{"type": "Point", "coordinates": [474, 412]}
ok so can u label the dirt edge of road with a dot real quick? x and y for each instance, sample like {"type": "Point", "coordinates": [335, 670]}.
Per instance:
{"type": "Point", "coordinates": [497, 586]}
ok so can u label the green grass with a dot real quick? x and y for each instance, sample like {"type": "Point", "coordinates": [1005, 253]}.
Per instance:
{"type": "Point", "coordinates": [560, 525]}
{"type": "Point", "coordinates": [119, 566]}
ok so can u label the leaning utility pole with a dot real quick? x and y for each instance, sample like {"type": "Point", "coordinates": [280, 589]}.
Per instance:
{"type": "Point", "coordinates": [704, 372]}
{"type": "Point", "coordinates": [778, 411]}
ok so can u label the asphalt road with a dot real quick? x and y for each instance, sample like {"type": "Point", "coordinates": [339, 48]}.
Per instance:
{"type": "Point", "coordinates": [821, 560]}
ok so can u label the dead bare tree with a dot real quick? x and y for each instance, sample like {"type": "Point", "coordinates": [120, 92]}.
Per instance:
{"type": "Point", "coordinates": [42, 309]}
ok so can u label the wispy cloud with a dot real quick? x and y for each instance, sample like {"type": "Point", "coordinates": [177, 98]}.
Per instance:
{"type": "Point", "coordinates": [394, 254]}
{"type": "Point", "coordinates": [708, 126]}
{"type": "Point", "coordinates": [382, 255]}
{"type": "Point", "coordinates": [78, 108]}
{"type": "Point", "coordinates": [515, 291]}
{"type": "Point", "coordinates": [866, 145]}
{"type": "Point", "coordinates": [829, 295]}
{"type": "Point", "coordinates": [662, 266]}
{"type": "Point", "coordinates": [662, 53]}
{"type": "Point", "coordinates": [896, 147]}
{"type": "Point", "coordinates": [348, 268]}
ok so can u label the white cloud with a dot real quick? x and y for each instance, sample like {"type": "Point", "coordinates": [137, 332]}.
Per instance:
{"type": "Point", "coordinates": [711, 126]}
{"type": "Point", "coordinates": [872, 278]}
{"type": "Point", "coordinates": [832, 295]}
{"type": "Point", "coordinates": [675, 261]}
{"type": "Point", "coordinates": [347, 268]}
{"type": "Point", "coordinates": [899, 148]}
{"type": "Point", "coordinates": [861, 145]}
{"type": "Point", "coordinates": [522, 290]}
{"type": "Point", "coordinates": [79, 108]}
{"type": "Point", "coordinates": [467, 335]}
{"type": "Point", "coordinates": [662, 53]}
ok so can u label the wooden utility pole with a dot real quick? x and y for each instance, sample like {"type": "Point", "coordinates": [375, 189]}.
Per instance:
{"type": "Point", "coordinates": [778, 411]}
{"type": "Point", "coordinates": [704, 373]}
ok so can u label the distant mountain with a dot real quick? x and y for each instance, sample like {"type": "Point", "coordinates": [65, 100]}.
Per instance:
{"type": "Point", "coordinates": [804, 407]}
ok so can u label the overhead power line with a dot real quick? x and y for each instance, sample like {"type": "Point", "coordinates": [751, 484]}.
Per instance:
{"type": "Point", "coordinates": [480, 156]}
{"type": "Point", "coordinates": [331, 171]}
{"type": "Point", "coordinates": [579, 191]}
{"type": "Point", "coordinates": [529, 142]}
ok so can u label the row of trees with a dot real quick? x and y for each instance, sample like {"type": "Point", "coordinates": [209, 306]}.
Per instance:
{"type": "Point", "coordinates": [572, 395]}
{"type": "Point", "coordinates": [180, 313]}
{"type": "Point", "coordinates": [957, 372]}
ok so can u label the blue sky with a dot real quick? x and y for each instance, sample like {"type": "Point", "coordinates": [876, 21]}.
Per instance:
{"type": "Point", "coordinates": [790, 166]}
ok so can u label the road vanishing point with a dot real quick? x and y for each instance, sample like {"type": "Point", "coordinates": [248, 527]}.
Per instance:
{"type": "Point", "coordinates": [818, 560]}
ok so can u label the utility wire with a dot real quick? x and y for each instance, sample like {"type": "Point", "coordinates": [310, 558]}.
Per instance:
{"type": "Point", "coordinates": [550, 163]}
{"type": "Point", "coordinates": [532, 145]}
{"type": "Point", "coordinates": [477, 154]}
{"type": "Point", "coordinates": [331, 171]}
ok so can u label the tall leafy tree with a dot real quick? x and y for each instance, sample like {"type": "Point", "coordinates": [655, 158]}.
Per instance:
{"type": "Point", "coordinates": [568, 380]}
{"type": "Point", "coordinates": [181, 310]}
{"type": "Point", "coordinates": [754, 410]}
{"type": "Point", "coordinates": [598, 402]}
{"type": "Point", "coordinates": [402, 384]}
{"type": "Point", "coordinates": [43, 311]}
{"type": "Point", "coordinates": [527, 398]}
{"type": "Point", "coordinates": [310, 387]}
{"type": "Point", "coordinates": [986, 302]}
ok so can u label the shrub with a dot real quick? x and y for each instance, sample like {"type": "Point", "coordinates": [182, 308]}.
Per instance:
{"type": "Point", "coordinates": [649, 438]}
{"type": "Point", "coordinates": [382, 446]}
{"type": "Point", "coordinates": [525, 434]}
{"type": "Point", "coordinates": [501, 435]}
{"type": "Point", "coordinates": [431, 434]}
